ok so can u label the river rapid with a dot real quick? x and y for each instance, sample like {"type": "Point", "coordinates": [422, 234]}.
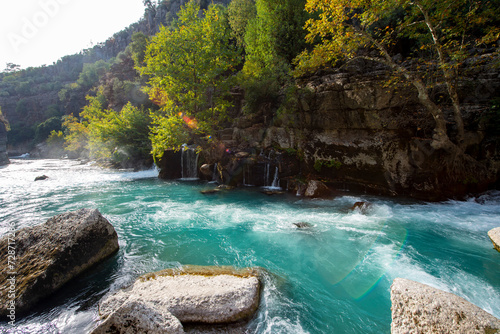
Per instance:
{"type": "Point", "coordinates": [333, 277]}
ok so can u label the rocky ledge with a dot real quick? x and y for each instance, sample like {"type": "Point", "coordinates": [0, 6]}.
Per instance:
{"type": "Point", "coordinates": [4, 159]}
{"type": "Point", "coordinates": [169, 300]}
{"type": "Point", "coordinates": [494, 235]}
{"type": "Point", "coordinates": [49, 255]}
{"type": "Point", "coordinates": [419, 308]}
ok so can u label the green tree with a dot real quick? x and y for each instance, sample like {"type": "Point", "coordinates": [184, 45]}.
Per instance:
{"type": "Point", "coordinates": [44, 129]}
{"type": "Point", "coordinates": [241, 12]}
{"type": "Point", "coordinates": [190, 67]}
{"type": "Point", "coordinates": [274, 37]}
{"type": "Point", "coordinates": [138, 48]}
{"type": "Point", "coordinates": [4, 120]}
{"type": "Point", "coordinates": [109, 135]}
{"type": "Point", "coordinates": [442, 32]}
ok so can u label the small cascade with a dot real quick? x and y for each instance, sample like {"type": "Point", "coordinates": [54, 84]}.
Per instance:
{"type": "Point", "coordinates": [266, 172]}
{"type": "Point", "coordinates": [276, 180]}
{"type": "Point", "coordinates": [214, 175]}
{"type": "Point", "coordinates": [189, 164]}
{"type": "Point", "coordinates": [247, 176]}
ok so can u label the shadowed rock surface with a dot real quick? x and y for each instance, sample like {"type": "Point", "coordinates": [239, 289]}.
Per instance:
{"type": "Point", "coordinates": [419, 308]}
{"type": "Point", "coordinates": [51, 254]}
{"type": "Point", "coordinates": [4, 159]}
{"type": "Point", "coordinates": [192, 294]}
{"type": "Point", "coordinates": [494, 235]}
{"type": "Point", "coordinates": [316, 189]}
{"type": "Point", "coordinates": [140, 317]}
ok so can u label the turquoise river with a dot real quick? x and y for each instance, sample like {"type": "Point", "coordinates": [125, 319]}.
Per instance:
{"type": "Point", "coordinates": [333, 277]}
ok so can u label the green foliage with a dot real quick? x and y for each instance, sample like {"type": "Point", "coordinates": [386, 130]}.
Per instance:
{"type": "Point", "coordinates": [4, 120]}
{"type": "Point", "coordinates": [439, 29]}
{"type": "Point", "coordinates": [332, 163]}
{"type": "Point", "coordinates": [189, 66]}
{"type": "Point", "coordinates": [274, 37]}
{"type": "Point", "coordinates": [22, 107]}
{"type": "Point", "coordinates": [240, 13]}
{"type": "Point", "coordinates": [53, 110]}
{"type": "Point", "coordinates": [20, 133]}
{"type": "Point", "coordinates": [138, 48]}
{"type": "Point", "coordinates": [44, 129]}
{"type": "Point", "coordinates": [91, 73]}
{"type": "Point", "coordinates": [108, 134]}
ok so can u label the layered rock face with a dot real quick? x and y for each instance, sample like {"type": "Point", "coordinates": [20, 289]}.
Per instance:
{"type": "Point", "coordinates": [173, 297]}
{"type": "Point", "coordinates": [4, 159]}
{"type": "Point", "coordinates": [49, 255]}
{"type": "Point", "coordinates": [419, 308]}
{"type": "Point", "coordinates": [351, 130]}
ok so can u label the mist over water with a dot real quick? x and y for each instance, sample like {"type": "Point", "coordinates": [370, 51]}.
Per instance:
{"type": "Point", "coordinates": [333, 277]}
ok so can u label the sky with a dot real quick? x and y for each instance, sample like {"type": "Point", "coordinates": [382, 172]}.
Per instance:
{"type": "Point", "coordinates": [40, 32]}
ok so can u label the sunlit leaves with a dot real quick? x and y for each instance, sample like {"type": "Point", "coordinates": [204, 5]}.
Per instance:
{"type": "Point", "coordinates": [190, 67]}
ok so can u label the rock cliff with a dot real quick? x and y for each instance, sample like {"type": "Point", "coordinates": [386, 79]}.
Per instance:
{"type": "Point", "coordinates": [353, 131]}
{"type": "Point", "coordinates": [4, 159]}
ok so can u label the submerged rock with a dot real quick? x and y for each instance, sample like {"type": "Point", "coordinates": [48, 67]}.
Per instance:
{"type": "Point", "coordinates": [363, 207]}
{"type": "Point", "coordinates": [419, 308]}
{"type": "Point", "coordinates": [272, 192]}
{"type": "Point", "coordinates": [192, 294]}
{"type": "Point", "coordinates": [49, 255]}
{"type": "Point", "coordinates": [210, 191]}
{"type": "Point", "coordinates": [41, 178]}
{"type": "Point", "coordinates": [207, 170]}
{"type": "Point", "coordinates": [316, 189]}
{"type": "Point", "coordinates": [303, 225]}
{"type": "Point", "coordinates": [494, 235]}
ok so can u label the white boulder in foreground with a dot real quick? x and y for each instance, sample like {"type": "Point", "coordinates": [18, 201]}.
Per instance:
{"type": "Point", "coordinates": [419, 308]}
{"type": "Point", "coordinates": [494, 235]}
{"type": "Point", "coordinates": [192, 294]}
{"type": "Point", "coordinates": [140, 317]}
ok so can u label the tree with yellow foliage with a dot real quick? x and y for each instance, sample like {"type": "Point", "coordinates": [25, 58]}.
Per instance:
{"type": "Point", "coordinates": [442, 33]}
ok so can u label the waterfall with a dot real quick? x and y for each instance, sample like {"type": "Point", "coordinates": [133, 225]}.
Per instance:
{"type": "Point", "coordinates": [214, 175]}
{"type": "Point", "coordinates": [189, 164]}
{"type": "Point", "coordinates": [276, 180]}
{"type": "Point", "coordinates": [266, 172]}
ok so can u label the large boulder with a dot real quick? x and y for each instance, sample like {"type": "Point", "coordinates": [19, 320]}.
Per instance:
{"type": "Point", "coordinates": [494, 235]}
{"type": "Point", "coordinates": [419, 308]}
{"type": "Point", "coordinates": [49, 255]}
{"type": "Point", "coordinates": [191, 294]}
{"type": "Point", "coordinates": [140, 317]}
{"type": "Point", "coordinates": [317, 189]}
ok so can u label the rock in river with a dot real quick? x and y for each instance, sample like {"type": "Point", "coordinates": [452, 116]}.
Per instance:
{"type": "Point", "coordinates": [419, 308]}
{"type": "Point", "coordinates": [494, 235]}
{"type": "Point", "coordinates": [317, 189]}
{"type": "Point", "coordinates": [191, 294]}
{"type": "Point", "coordinates": [49, 255]}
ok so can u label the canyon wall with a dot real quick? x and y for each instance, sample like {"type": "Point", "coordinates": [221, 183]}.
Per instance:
{"type": "Point", "coordinates": [351, 130]}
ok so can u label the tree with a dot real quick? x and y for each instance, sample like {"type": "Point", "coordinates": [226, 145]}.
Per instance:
{"type": "Point", "coordinates": [442, 31]}
{"type": "Point", "coordinates": [190, 67]}
{"type": "Point", "coordinates": [241, 12]}
{"type": "Point", "coordinates": [4, 120]}
{"type": "Point", "coordinates": [274, 37]}
{"type": "Point", "coordinates": [108, 134]}
{"type": "Point", "coordinates": [138, 48]}
{"type": "Point", "coordinates": [12, 68]}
